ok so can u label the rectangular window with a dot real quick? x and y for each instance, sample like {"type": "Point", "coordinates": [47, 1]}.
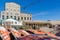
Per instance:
{"type": "Point", "coordinates": [11, 9]}
{"type": "Point", "coordinates": [27, 18]}
{"type": "Point", "coordinates": [7, 8]}
{"type": "Point", "coordinates": [14, 10]}
{"type": "Point", "coordinates": [18, 18]}
{"type": "Point", "coordinates": [7, 12]}
{"type": "Point", "coordinates": [15, 17]}
{"type": "Point", "coordinates": [21, 18]}
{"type": "Point", "coordinates": [30, 18]}
{"type": "Point", "coordinates": [2, 16]}
{"type": "Point", "coordinates": [11, 16]}
{"type": "Point", "coordinates": [24, 18]}
{"type": "Point", "coordinates": [7, 17]}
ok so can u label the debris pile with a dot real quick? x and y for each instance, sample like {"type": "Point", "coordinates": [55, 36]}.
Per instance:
{"type": "Point", "coordinates": [29, 34]}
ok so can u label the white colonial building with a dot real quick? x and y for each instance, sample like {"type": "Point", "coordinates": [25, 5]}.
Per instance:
{"type": "Point", "coordinates": [12, 10]}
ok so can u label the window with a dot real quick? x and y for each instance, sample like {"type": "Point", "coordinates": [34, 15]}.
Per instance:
{"type": "Point", "coordinates": [2, 16]}
{"type": "Point", "coordinates": [7, 8]}
{"type": "Point", "coordinates": [18, 7]}
{"type": "Point", "coordinates": [30, 14]}
{"type": "Point", "coordinates": [7, 17]}
{"type": "Point", "coordinates": [24, 18]}
{"type": "Point", "coordinates": [15, 22]}
{"type": "Point", "coordinates": [16, 14]}
{"type": "Point", "coordinates": [53, 25]}
{"type": "Point", "coordinates": [58, 25]}
{"type": "Point", "coordinates": [30, 18]}
{"type": "Point", "coordinates": [27, 18]}
{"type": "Point", "coordinates": [11, 16]}
{"type": "Point", "coordinates": [14, 10]}
{"type": "Point", "coordinates": [11, 13]}
{"type": "Point", "coordinates": [7, 12]}
{"type": "Point", "coordinates": [50, 27]}
{"type": "Point", "coordinates": [15, 17]}
{"type": "Point", "coordinates": [21, 18]}
{"type": "Point", "coordinates": [18, 18]}
{"type": "Point", "coordinates": [11, 9]}
{"type": "Point", "coordinates": [18, 10]}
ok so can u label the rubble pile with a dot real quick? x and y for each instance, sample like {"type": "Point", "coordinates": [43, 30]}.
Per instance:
{"type": "Point", "coordinates": [29, 34]}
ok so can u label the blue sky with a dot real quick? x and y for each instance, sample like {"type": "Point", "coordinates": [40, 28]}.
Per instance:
{"type": "Point", "coordinates": [40, 9]}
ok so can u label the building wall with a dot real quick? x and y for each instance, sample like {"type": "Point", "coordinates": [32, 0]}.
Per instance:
{"type": "Point", "coordinates": [57, 22]}
{"type": "Point", "coordinates": [12, 10]}
{"type": "Point", "coordinates": [36, 24]}
{"type": "Point", "coordinates": [26, 17]}
{"type": "Point", "coordinates": [12, 7]}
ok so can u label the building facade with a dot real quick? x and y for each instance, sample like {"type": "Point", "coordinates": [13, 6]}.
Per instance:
{"type": "Point", "coordinates": [12, 10]}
